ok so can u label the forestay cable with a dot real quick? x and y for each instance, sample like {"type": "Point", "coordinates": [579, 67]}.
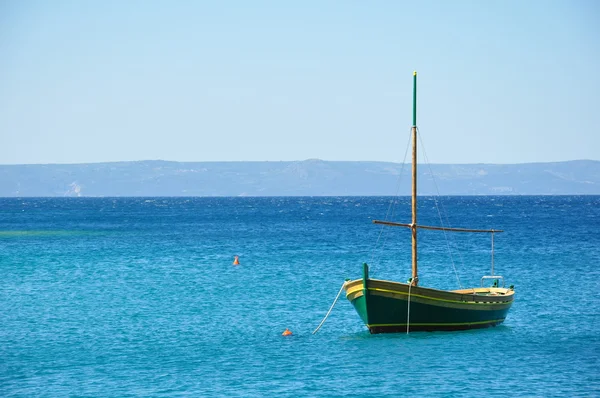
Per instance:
{"type": "Point", "coordinates": [391, 208]}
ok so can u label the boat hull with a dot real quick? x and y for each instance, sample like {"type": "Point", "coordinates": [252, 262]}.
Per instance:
{"type": "Point", "coordinates": [384, 306]}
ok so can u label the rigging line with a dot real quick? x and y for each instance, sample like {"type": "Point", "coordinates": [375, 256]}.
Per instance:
{"type": "Point", "coordinates": [391, 208]}
{"type": "Point", "coordinates": [439, 213]}
{"type": "Point", "coordinates": [408, 309]}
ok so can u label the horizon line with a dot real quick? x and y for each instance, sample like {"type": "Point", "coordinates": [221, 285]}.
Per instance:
{"type": "Point", "coordinates": [284, 161]}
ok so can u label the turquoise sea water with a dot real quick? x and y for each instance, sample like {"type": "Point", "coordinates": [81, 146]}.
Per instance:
{"type": "Point", "coordinates": [139, 297]}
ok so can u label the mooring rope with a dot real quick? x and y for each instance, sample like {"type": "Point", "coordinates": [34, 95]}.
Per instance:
{"type": "Point", "coordinates": [330, 308]}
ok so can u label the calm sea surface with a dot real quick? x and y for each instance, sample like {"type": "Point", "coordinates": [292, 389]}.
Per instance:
{"type": "Point", "coordinates": [139, 297]}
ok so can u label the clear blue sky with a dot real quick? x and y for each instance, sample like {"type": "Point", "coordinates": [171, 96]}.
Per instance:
{"type": "Point", "coordinates": [499, 81]}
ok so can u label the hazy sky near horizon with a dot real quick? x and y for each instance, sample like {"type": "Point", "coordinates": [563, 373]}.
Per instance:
{"type": "Point", "coordinates": [499, 81]}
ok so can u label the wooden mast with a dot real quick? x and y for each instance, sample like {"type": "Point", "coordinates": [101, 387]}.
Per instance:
{"type": "Point", "coordinates": [415, 277]}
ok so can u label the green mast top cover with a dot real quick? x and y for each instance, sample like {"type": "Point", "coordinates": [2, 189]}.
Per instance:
{"type": "Point", "coordinates": [414, 98]}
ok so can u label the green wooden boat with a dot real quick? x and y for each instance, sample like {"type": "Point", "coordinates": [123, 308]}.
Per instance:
{"type": "Point", "coordinates": [389, 307]}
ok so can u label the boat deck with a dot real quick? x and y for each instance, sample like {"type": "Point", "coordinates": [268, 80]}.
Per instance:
{"type": "Point", "coordinates": [485, 291]}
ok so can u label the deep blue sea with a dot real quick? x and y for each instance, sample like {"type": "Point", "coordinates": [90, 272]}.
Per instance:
{"type": "Point", "coordinates": [115, 297]}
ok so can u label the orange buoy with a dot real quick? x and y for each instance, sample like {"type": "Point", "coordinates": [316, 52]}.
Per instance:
{"type": "Point", "coordinates": [236, 260]}
{"type": "Point", "coordinates": [286, 332]}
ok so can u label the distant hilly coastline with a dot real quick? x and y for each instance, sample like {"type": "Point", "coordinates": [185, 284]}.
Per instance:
{"type": "Point", "coordinates": [299, 178]}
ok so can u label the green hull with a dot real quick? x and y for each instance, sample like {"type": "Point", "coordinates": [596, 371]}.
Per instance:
{"type": "Point", "coordinates": [384, 307]}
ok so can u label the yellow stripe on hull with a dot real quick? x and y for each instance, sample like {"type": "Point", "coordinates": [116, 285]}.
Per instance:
{"type": "Point", "coordinates": [436, 324]}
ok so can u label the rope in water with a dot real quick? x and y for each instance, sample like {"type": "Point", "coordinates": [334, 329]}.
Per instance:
{"type": "Point", "coordinates": [330, 308]}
